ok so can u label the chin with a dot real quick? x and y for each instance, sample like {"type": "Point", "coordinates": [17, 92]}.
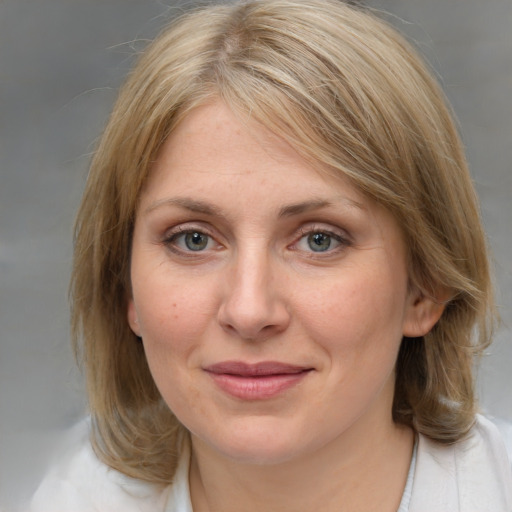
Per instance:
{"type": "Point", "coordinates": [257, 445]}
{"type": "Point", "coordinates": [260, 454]}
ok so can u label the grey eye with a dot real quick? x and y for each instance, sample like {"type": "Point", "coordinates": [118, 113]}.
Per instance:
{"type": "Point", "coordinates": [196, 241]}
{"type": "Point", "coordinates": [319, 242]}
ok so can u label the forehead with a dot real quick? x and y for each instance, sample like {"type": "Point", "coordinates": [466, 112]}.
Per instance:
{"type": "Point", "coordinates": [215, 131]}
{"type": "Point", "coordinates": [240, 176]}
{"type": "Point", "coordinates": [212, 145]}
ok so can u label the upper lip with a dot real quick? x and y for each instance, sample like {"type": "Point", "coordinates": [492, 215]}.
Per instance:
{"type": "Point", "coordinates": [263, 368]}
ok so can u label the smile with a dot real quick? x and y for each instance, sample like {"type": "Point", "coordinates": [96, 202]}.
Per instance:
{"type": "Point", "coordinates": [259, 381]}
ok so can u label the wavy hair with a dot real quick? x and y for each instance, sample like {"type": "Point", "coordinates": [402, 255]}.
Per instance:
{"type": "Point", "coordinates": [350, 94]}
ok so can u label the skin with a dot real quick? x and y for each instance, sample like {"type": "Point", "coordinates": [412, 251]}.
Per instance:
{"type": "Point", "coordinates": [258, 289]}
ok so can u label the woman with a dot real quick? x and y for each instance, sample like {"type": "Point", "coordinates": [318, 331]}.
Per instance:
{"type": "Point", "coordinates": [280, 281]}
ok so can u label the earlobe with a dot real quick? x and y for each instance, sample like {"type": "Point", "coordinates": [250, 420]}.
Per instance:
{"type": "Point", "coordinates": [422, 314]}
{"type": "Point", "coordinates": [133, 320]}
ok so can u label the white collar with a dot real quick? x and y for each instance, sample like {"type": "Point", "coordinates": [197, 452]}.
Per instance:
{"type": "Point", "coordinates": [473, 475]}
{"type": "Point", "coordinates": [178, 499]}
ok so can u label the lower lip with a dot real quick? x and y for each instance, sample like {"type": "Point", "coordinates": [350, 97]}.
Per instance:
{"type": "Point", "coordinates": [257, 388]}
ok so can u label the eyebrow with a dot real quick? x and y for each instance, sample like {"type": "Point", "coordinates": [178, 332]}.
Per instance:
{"type": "Point", "coordinates": [206, 208]}
{"type": "Point", "coordinates": [315, 204]}
{"type": "Point", "coordinates": [188, 204]}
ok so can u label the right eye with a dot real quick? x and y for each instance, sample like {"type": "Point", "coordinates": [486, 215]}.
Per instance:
{"type": "Point", "coordinates": [192, 240]}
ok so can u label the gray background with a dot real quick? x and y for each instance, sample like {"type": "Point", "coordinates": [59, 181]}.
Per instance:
{"type": "Point", "coordinates": [61, 62]}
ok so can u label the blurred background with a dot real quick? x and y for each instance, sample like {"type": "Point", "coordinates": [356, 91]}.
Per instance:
{"type": "Point", "coordinates": [61, 62]}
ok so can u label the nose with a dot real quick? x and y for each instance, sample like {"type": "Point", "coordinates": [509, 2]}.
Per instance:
{"type": "Point", "coordinates": [254, 306]}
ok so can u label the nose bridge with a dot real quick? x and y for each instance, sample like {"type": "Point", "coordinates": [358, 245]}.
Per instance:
{"type": "Point", "coordinates": [252, 306]}
{"type": "Point", "coordinates": [252, 276]}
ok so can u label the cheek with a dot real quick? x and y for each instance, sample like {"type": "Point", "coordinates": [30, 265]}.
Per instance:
{"type": "Point", "coordinates": [171, 326]}
{"type": "Point", "coordinates": [357, 315]}
{"type": "Point", "coordinates": [172, 319]}
{"type": "Point", "coordinates": [175, 317]}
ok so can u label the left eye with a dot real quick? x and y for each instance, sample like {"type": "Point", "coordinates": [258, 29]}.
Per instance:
{"type": "Point", "coordinates": [318, 241]}
{"type": "Point", "coordinates": [192, 241]}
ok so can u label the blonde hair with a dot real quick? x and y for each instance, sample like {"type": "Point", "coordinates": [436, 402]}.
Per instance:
{"type": "Point", "coordinates": [352, 96]}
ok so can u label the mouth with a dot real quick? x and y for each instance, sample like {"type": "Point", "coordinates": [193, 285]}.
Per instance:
{"type": "Point", "coordinates": [258, 381]}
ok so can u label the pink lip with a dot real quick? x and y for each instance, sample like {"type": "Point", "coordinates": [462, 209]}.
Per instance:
{"type": "Point", "coordinates": [258, 381]}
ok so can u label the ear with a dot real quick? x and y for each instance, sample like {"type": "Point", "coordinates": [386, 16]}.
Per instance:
{"type": "Point", "coordinates": [133, 319]}
{"type": "Point", "coordinates": [423, 313]}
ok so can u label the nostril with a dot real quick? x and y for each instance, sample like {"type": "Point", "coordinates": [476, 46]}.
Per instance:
{"type": "Point", "coordinates": [253, 325]}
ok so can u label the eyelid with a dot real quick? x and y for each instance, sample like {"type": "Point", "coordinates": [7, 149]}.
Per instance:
{"type": "Point", "coordinates": [171, 234]}
{"type": "Point", "coordinates": [187, 227]}
{"type": "Point", "coordinates": [323, 228]}
{"type": "Point", "coordinates": [342, 236]}
{"type": "Point", "coordinates": [338, 234]}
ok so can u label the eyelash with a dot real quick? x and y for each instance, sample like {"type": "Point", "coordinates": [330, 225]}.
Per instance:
{"type": "Point", "coordinates": [170, 241]}
{"type": "Point", "coordinates": [343, 241]}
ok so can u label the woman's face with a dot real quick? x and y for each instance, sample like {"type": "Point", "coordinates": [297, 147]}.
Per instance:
{"type": "Point", "coordinates": [271, 298]}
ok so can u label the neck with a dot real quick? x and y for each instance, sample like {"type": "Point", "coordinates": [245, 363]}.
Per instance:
{"type": "Point", "coordinates": [360, 470]}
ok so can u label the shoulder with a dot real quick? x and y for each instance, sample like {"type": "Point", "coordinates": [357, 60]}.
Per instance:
{"type": "Point", "coordinates": [80, 482]}
{"type": "Point", "coordinates": [472, 475]}
{"type": "Point", "coordinates": [505, 429]}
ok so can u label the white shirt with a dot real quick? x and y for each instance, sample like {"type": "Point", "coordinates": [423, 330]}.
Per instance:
{"type": "Point", "coordinates": [473, 475]}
